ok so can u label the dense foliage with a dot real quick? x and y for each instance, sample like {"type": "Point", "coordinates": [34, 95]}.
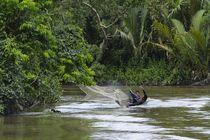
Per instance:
{"type": "Point", "coordinates": [137, 36]}
{"type": "Point", "coordinates": [37, 53]}
{"type": "Point", "coordinates": [46, 43]}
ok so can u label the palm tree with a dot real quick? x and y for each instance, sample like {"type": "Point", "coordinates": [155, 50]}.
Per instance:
{"type": "Point", "coordinates": [134, 26]}
{"type": "Point", "coordinates": [193, 43]}
{"type": "Point", "coordinates": [191, 46]}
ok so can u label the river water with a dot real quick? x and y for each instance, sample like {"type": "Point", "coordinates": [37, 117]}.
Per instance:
{"type": "Point", "coordinates": [170, 113]}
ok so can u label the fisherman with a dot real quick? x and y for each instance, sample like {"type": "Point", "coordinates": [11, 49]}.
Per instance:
{"type": "Point", "coordinates": [135, 96]}
{"type": "Point", "coordinates": [137, 99]}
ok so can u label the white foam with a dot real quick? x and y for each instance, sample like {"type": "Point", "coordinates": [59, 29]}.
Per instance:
{"type": "Point", "coordinates": [176, 102]}
{"type": "Point", "coordinates": [135, 136]}
{"type": "Point", "coordinates": [111, 118]}
{"type": "Point", "coordinates": [89, 105]}
{"type": "Point", "coordinates": [129, 127]}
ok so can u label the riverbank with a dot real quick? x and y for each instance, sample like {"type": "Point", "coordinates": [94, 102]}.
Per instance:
{"type": "Point", "coordinates": [202, 82]}
{"type": "Point", "coordinates": [155, 74]}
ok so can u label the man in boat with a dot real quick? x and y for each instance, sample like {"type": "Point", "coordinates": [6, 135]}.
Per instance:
{"type": "Point", "coordinates": [137, 99]}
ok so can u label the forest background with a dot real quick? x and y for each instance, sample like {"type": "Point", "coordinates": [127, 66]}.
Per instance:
{"type": "Point", "coordinates": [47, 43]}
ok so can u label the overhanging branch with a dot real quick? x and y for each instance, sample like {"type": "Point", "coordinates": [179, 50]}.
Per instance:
{"type": "Point", "coordinates": [98, 18]}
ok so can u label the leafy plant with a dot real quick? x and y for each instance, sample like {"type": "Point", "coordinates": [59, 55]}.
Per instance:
{"type": "Point", "coordinates": [188, 47]}
{"type": "Point", "coordinates": [134, 26]}
{"type": "Point", "coordinates": [34, 62]}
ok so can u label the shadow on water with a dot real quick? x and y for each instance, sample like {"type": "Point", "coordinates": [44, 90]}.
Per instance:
{"type": "Point", "coordinates": [43, 128]}
{"type": "Point", "coordinates": [170, 113]}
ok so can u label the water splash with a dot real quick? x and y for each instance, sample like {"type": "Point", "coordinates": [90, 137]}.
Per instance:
{"type": "Point", "coordinates": [176, 102]}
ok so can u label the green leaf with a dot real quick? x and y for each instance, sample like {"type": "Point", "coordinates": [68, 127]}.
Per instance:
{"type": "Point", "coordinates": [179, 26]}
{"type": "Point", "coordinates": [198, 19]}
{"type": "Point", "coordinates": [49, 53]}
{"type": "Point", "coordinates": [164, 47]}
{"type": "Point", "coordinates": [28, 4]}
{"type": "Point", "coordinates": [162, 29]}
{"type": "Point", "coordinates": [199, 38]}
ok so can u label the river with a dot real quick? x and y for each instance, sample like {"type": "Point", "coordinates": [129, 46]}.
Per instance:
{"type": "Point", "coordinates": [170, 113]}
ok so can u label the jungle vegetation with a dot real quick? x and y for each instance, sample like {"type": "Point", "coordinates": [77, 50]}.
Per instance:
{"type": "Point", "coordinates": [47, 43]}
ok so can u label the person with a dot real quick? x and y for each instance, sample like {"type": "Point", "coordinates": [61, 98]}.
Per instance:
{"type": "Point", "coordinates": [137, 99]}
{"type": "Point", "coordinates": [134, 96]}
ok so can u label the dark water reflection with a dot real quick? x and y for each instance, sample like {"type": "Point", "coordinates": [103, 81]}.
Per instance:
{"type": "Point", "coordinates": [43, 128]}
{"type": "Point", "coordinates": [171, 113]}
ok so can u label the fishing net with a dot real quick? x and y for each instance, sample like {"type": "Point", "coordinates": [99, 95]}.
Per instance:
{"type": "Point", "coordinates": [109, 91]}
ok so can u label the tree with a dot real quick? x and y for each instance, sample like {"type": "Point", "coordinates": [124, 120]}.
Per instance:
{"type": "Point", "coordinates": [36, 56]}
{"type": "Point", "coordinates": [190, 47]}
{"type": "Point", "coordinates": [74, 55]}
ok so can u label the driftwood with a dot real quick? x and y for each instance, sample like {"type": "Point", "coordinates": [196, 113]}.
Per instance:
{"type": "Point", "coordinates": [202, 83]}
{"type": "Point", "coordinates": [19, 106]}
{"type": "Point", "coordinates": [35, 103]}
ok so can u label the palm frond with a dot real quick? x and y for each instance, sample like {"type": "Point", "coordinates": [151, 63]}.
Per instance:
{"type": "Point", "coordinates": [197, 19]}
{"type": "Point", "coordinates": [164, 47]}
{"type": "Point", "coordinates": [132, 23]}
{"type": "Point", "coordinates": [185, 37]}
{"type": "Point", "coordinates": [179, 26]}
{"type": "Point", "coordinates": [199, 38]}
{"type": "Point", "coordinates": [144, 13]}
{"type": "Point", "coordinates": [162, 29]}
{"type": "Point", "coordinates": [176, 6]}
{"type": "Point", "coordinates": [126, 36]}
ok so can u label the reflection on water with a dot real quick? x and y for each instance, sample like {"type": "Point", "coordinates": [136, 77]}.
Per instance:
{"type": "Point", "coordinates": [170, 113]}
{"type": "Point", "coordinates": [43, 128]}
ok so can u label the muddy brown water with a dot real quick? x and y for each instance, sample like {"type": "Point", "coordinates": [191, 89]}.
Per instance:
{"type": "Point", "coordinates": [170, 113]}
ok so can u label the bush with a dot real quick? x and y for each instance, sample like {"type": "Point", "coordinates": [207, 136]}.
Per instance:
{"type": "Point", "coordinates": [155, 73]}
{"type": "Point", "coordinates": [33, 61]}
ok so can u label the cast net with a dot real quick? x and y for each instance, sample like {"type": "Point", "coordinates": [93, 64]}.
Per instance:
{"type": "Point", "coordinates": [108, 91]}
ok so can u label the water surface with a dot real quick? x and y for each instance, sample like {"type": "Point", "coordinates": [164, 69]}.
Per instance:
{"type": "Point", "coordinates": [170, 113]}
